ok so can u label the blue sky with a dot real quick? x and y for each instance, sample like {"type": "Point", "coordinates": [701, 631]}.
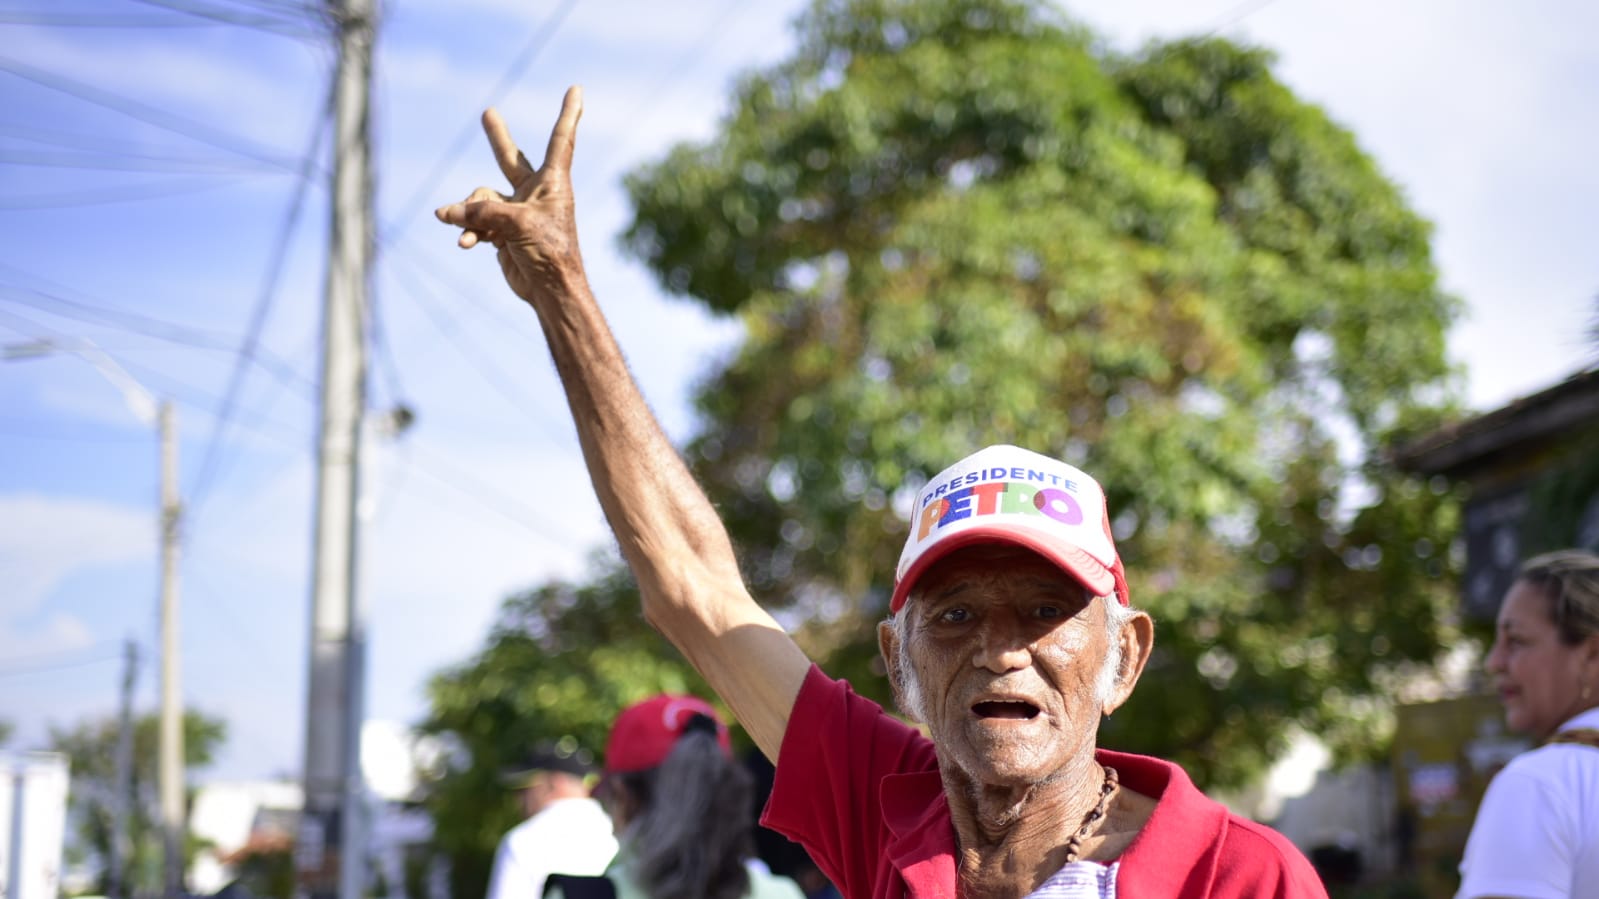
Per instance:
{"type": "Point", "coordinates": [1486, 114]}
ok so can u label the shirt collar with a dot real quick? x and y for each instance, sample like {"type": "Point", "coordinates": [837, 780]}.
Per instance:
{"type": "Point", "coordinates": [1175, 854]}
{"type": "Point", "coordinates": [922, 835]}
{"type": "Point", "coordinates": [1589, 718]}
{"type": "Point", "coordinates": [1177, 851]}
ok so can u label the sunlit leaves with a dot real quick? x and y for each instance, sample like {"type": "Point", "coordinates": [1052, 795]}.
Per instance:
{"type": "Point", "coordinates": [971, 226]}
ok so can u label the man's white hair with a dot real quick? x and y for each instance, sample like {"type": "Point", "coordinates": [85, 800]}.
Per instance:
{"type": "Point", "coordinates": [908, 688]}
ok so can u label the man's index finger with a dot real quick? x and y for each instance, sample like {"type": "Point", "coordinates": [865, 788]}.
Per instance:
{"type": "Point", "coordinates": [513, 165]}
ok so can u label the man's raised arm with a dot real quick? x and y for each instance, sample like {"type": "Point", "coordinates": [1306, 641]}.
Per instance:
{"type": "Point", "coordinates": [669, 533]}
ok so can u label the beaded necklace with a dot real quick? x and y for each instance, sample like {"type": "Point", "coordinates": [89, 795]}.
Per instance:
{"type": "Point", "coordinates": [1074, 846]}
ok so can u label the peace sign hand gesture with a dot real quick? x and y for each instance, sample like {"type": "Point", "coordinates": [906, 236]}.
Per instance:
{"type": "Point", "coordinates": [535, 228]}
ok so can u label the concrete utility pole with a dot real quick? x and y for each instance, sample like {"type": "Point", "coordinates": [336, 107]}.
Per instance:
{"type": "Point", "coordinates": [173, 811]}
{"type": "Point", "coordinates": [329, 857]}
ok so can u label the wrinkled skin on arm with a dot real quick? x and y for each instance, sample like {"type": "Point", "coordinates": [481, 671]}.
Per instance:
{"type": "Point", "coordinates": [670, 535]}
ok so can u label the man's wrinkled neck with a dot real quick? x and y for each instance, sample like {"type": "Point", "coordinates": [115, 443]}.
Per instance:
{"type": "Point", "coordinates": [1019, 831]}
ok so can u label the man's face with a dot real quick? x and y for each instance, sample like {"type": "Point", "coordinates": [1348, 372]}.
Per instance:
{"type": "Point", "coordinates": [540, 790]}
{"type": "Point", "coordinates": [1006, 649]}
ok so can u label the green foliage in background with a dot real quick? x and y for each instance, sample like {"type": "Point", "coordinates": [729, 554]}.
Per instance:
{"type": "Point", "coordinates": [561, 660]}
{"type": "Point", "coordinates": [91, 750]}
{"type": "Point", "coordinates": [954, 223]}
{"type": "Point", "coordinates": [950, 224]}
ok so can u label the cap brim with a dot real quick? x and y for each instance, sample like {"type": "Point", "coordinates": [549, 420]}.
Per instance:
{"type": "Point", "coordinates": [1088, 571]}
{"type": "Point", "coordinates": [517, 778]}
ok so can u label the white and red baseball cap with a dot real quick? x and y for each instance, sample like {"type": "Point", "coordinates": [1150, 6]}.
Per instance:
{"type": "Point", "coordinates": [1006, 494]}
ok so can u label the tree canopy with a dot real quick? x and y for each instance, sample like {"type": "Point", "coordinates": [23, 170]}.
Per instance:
{"type": "Point", "coordinates": [560, 662]}
{"type": "Point", "coordinates": [954, 223]}
{"type": "Point", "coordinates": [950, 224]}
{"type": "Point", "coordinates": [91, 750]}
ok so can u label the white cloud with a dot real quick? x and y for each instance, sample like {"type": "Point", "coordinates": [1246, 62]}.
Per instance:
{"type": "Point", "coordinates": [469, 526]}
{"type": "Point", "coordinates": [57, 633]}
{"type": "Point", "coordinates": [44, 540]}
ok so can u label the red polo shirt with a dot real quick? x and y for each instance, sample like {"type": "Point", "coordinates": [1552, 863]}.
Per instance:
{"type": "Point", "coordinates": [861, 791]}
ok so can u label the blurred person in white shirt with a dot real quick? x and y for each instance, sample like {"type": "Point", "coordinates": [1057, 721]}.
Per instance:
{"type": "Point", "coordinates": [566, 831]}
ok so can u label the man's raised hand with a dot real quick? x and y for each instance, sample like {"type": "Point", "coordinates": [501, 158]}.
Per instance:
{"type": "Point", "coordinates": [534, 228]}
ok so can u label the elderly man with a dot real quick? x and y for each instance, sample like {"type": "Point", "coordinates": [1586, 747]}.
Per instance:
{"type": "Point", "coordinates": [1010, 635]}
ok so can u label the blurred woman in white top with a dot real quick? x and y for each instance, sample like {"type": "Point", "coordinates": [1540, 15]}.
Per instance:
{"type": "Point", "coordinates": [1536, 835]}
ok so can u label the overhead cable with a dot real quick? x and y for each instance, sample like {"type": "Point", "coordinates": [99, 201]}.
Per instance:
{"type": "Point", "coordinates": [265, 295]}
{"type": "Point", "coordinates": [269, 23]}
{"type": "Point", "coordinates": [419, 201]}
{"type": "Point", "coordinates": [148, 114]}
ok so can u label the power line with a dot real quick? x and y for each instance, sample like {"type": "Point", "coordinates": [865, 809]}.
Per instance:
{"type": "Point", "coordinates": [147, 326]}
{"type": "Point", "coordinates": [91, 143]}
{"type": "Point", "coordinates": [716, 28]}
{"type": "Point", "coordinates": [418, 202]}
{"type": "Point", "coordinates": [91, 20]}
{"type": "Point", "coordinates": [664, 85]}
{"type": "Point", "coordinates": [33, 667]}
{"type": "Point", "coordinates": [500, 308]}
{"type": "Point", "coordinates": [388, 366]}
{"type": "Point", "coordinates": [220, 603]}
{"type": "Point", "coordinates": [299, 22]}
{"type": "Point", "coordinates": [202, 400]}
{"type": "Point", "coordinates": [449, 327]}
{"type": "Point", "coordinates": [127, 163]}
{"type": "Point", "coordinates": [185, 393]}
{"type": "Point", "coordinates": [147, 114]}
{"type": "Point", "coordinates": [16, 430]}
{"type": "Point", "coordinates": [492, 497]}
{"type": "Point", "coordinates": [102, 196]}
{"type": "Point", "coordinates": [265, 296]}
{"type": "Point", "coordinates": [1235, 15]}
{"type": "Point", "coordinates": [267, 23]}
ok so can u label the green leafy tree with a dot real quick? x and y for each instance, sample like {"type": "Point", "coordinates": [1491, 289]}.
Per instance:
{"type": "Point", "coordinates": [91, 750]}
{"type": "Point", "coordinates": [960, 222]}
{"type": "Point", "coordinates": [559, 663]}
{"type": "Point", "coordinates": [951, 223]}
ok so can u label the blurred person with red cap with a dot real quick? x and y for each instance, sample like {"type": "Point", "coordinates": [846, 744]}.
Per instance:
{"type": "Point", "coordinates": [566, 831]}
{"type": "Point", "coordinates": [679, 804]}
{"type": "Point", "coordinates": [1010, 634]}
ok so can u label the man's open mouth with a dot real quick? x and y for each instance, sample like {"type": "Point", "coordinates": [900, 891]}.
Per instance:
{"type": "Point", "coordinates": [1015, 709]}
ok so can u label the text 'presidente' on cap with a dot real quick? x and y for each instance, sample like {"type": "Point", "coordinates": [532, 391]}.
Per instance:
{"type": "Point", "coordinates": [1006, 494]}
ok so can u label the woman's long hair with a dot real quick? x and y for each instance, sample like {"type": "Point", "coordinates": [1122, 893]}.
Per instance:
{"type": "Point", "coordinates": [692, 831]}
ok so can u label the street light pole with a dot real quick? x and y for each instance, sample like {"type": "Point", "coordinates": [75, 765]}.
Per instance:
{"type": "Point", "coordinates": [170, 763]}
{"type": "Point", "coordinates": [173, 811]}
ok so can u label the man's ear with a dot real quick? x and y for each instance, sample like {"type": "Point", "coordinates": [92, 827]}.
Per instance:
{"type": "Point", "coordinates": [888, 645]}
{"type": "Point", "coordinates": [1137, 639]}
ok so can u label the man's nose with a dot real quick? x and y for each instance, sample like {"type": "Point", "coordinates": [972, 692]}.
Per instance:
{"type": "Point", "coordinates": [1003, 646]}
